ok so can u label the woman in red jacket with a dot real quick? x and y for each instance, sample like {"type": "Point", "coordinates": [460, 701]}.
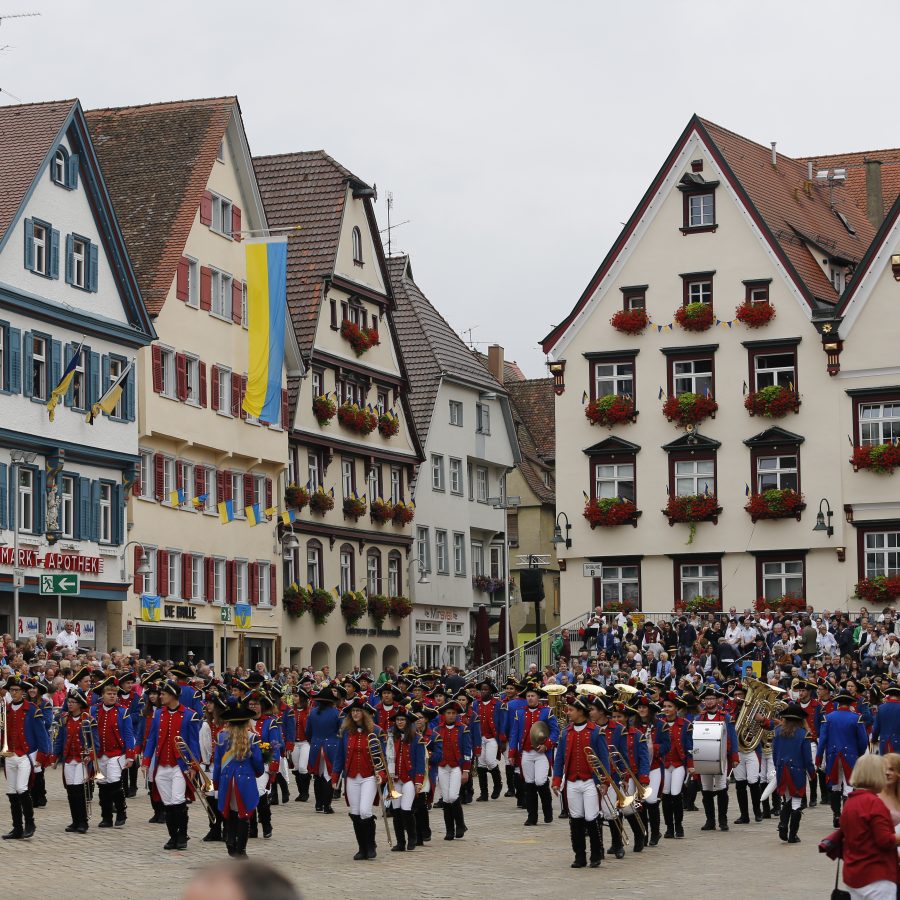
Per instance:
{"type": "Point", "coordinates": [870, 843]}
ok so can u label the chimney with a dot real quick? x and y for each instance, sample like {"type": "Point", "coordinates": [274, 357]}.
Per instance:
{"type": "Point", "coordinates": [774, 155]}
{"type": "Point", "coordinates": [495, 361]}
{"type": "Point", "coordinates": [874, 197]}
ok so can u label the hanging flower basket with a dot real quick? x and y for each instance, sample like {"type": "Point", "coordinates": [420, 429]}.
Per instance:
{"type": "Point", "coordinates": [324, 409]}
{"type": "Point", "coordinates": [354, 507]}
{"type": "Point", "coordinates": [613, 409]}
{"type": "Point", "coordinates": [401, 607]}
{"type": "Point", "coordinates": [695, 316]}
{"type": "Point", "coordinates": [381, 511]}
{"type": "Point", "coordinates": [321, 502]}
{"type": "Point", "coordinates": [773, 402]}
{"type": "Point", "coordinates": [788, 603]}
{"type": "Point", "coordinates": [693, 509]}
{"type": "Point", "coordinates": [689, 409]}
{"type": "Point", "coordinates": [880, 589]}
{"type": "Point", "coordinates": [698, 605]}
{"type": "Point", "coordinates": [296, 601]}
{"type": "Point", "coordinates": [355, 418]}
{"type": "Point", "coordinates": [403, 514]}
{"type": "Point", "coordinates": [882, 458]}
{"type": "Point", "coordinates": [321, 605]}
{"type": "Point", "coordinates": [353, 606]}
{"type": "Point", "coordinates": [360, 339]}
{"type": "Point", "coordinates": [388, 425]}
{"type": "Point", "coordinates": [379, 607]}
{"type": "Point", "coordinates": [630, 321]}
{"type": "Point", "coordinates": [754, 315]}
{"type": "Point", "coordinates": [296, 497]}
{"type": "Point", "coordinates": [775, 504]}
{"type": "Point", "coordinates": [608, 512]}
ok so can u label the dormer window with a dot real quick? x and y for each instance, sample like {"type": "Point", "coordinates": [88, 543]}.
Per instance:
{"type": "Point", "coordinates": [357, 247]}
{"type": "Point", "coordinates": [59, 166]}
{"type": "Point", "coordinates": [838, 278]}
{"type": "Point", "coordinates": [64, 169]}
{"type": "Point", "coordinates": [699, 203]}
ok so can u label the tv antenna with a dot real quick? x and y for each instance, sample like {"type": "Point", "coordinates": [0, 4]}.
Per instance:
{"type": "Point", "coordinates": [469, 331]}
{"type": "Point", "coordinates": [390, 206]}
{"type": "Point", "coordinates": [25, 15]}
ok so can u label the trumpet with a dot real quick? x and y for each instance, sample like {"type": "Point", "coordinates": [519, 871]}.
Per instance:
{"type": "Point", "coordinates": [379, 764]}
{"type": "Point", "coordinates": [197, 778]}
{"type": "Point", "coordinates": [89, 748]}
{"type": "Point", "coordinates": [641, 790]}
{"type": "Point", "coordinates": [4, 751]}
{"type": "Point", "coordinates": [622, 800]}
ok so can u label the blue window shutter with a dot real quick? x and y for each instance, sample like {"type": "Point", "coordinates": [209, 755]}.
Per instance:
{"type": "Point", "coordinates": [54, 253]}
{"type": "Point", "coordinates": [72, 172]}
{"type": "Point", "coordinates": [104, 384]}
{"type": "Point", "coordinates": [15, 361]}
{"type": "Point", "coordinates": [70, 259]}
{"type": "Point", "coordinates": [94, 381]}
{"type": "Point", "coordinates": [3, 482]}
{"type": "Point", "coordinates": [40, 501]}
{"type": "Point", "coordinates": [29, 244]}
{"type": "Point", "coordinates": [95, 511]}
{"type": "Point", "coordinates": [92, 269]}
{"type": "Point", "coordinates": [118, 513]}
{"type": "Point", "coordinates": [55, 364]}
{"type": "Point", "coordinates": [12, 497]}
{"type": "Point", "coordinates": [28, 354]}
{"type": "Point", "coordinates": [83, 528]}
{"type": "Point", "coordinates": [129, 396]}
{"type": "Point", "coordinates": [69, 397]}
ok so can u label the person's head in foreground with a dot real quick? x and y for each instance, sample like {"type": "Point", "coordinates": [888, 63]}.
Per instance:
{"type": "Point", "coordinates": [241, 881]}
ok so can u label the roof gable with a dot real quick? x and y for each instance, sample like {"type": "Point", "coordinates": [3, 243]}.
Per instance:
{"type": "Point", "coordinates": [774, 437]}
{"type": "Point", "coordinates": [534, 403]}
{"type": "Point", "coordinates": [611, 446]}
{"type": "Point", "coordinates": [693, 440]}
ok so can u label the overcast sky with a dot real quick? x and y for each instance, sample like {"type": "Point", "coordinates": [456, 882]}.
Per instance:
{"type": "Point", "coordinates": [516, 137]}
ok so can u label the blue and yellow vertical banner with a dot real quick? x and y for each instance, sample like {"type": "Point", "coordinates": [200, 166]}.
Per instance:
{"type": "Point", "coordinates": [151, 607]}
{"type": "Point", "coordinates": [242, 614]}
{"type": "Point", "coordinates": [266, 310]}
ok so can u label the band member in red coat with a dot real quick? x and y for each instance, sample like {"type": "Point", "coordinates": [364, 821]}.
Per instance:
{"type": "Point", "coordinates": [489, 715]}
{"type": "Point", "coordinates": [678, 761]}
{"type": "Point", "coordinates": [406, 762]}
{"type": "Point", "coordinates": [116, 752]}
{"type": "Point", "coordinates": [69, 749]}
{"type": "Point", "coordinates": [300, 753]}
{"type": "Point", "coordinates": [451, 751]}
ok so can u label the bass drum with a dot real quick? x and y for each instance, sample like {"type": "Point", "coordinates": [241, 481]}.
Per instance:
{"type": "Point", "coordinates": [710, 747]}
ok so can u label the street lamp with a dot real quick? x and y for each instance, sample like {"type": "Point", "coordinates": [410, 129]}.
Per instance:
{"type": "Point", "coordinates": [18, 458]}
{"type": "Point", "coordinates": [290, 544]}
{"type": "Point", "coordinates": [558, 538]}
{"type": "Point", "coordinates": [820, 518]}
{"type": "Point", "coordinates": [143, 567]}
{"type": "Point", "coordinates": [423, 572]}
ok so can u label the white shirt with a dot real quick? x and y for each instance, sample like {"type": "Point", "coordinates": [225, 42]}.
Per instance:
{"type": "Point", "coordinates": [67, 641]}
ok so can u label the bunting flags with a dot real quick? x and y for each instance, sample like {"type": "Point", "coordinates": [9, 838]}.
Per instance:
{"type": "Point", "coordinates": [58, 392]}
{"type": "Point", "coordinates": [720, 323]}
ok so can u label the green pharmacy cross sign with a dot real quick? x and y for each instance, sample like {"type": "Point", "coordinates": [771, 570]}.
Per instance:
{"type": "Point", "coordinates": [64, 585]}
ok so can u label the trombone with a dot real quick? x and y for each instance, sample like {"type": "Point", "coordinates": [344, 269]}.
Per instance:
{"type": "Point", "coordinates": [196, 777]}
{"type": "Point", "coordinates": [622, 800]}
{"type": "Point", "coordinates": [641, 791]}
{"type": "Point", "coordinates": [379, 764]}
{"type": "Point", "coordinates": [5, 752]}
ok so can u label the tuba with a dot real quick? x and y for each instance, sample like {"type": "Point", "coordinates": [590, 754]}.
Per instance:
{"type": "Point", "coordinates": [762, 699]}
{"type": "Point", "coordinates": [556, 701]}
{"type": "Point", "coordinates": [379, 764]}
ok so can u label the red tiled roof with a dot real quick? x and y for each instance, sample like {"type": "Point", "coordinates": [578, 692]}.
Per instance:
{"type": "Point", "coordinates": [534, 405]}
{"type": "Point", "coordinates": [27, 133]}
{"type": "Point", "coordinates": [156, 160]}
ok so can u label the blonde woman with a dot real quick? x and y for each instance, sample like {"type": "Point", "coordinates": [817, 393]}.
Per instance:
{"type": "Point", "coordinates": [891, 793]}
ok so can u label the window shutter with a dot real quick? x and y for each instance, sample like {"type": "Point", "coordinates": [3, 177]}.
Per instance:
{"type": "Point", "coordinates": [95, 511]}
{"type": "Point", "coordinates": [3, 500]}
{"type": "Point", "coordinates": [229, 485]}
{"type": "Point", "coordinates": [93, 264]}
{"type": "Point", "coordinates": [157, 366]}
{"type": "Point", "coordinates": [69, 397]}
{"type": "Point", "coordinates": [345, 311]}
{"type": "Point", "coordinates": [284, 409]}
{"type": "Point", "coordinates": [375, 323]}
{"type": "Point", "coordinates": [28, 389]}
{"type": "Point", "coordinates": [84, 509]}
{"type": "Point", "coordinates": [236, 223]}
{"type": "Point", "coordinates": [205, 288]}
{"type": "Point", "coordinates": [220, 487]}
{"type": "Point", "coordinates": [53, 269]}
{"type": "Point", "coordinates": [70, 259]}
{"type": "Point", "coordinates": [199, 481]}
{"type": "Point", "coordinates": [15, 360]}
{"type": "Point", "coordinates": [268, 493]}
{"type": "Point", "coordinates": [105, 379]}
{"type": "Point", "coordinates": [179, 474]}
{"type": "Point", "coordinates": [138, 579]}
{"type": "Point", "coordinates": [209, 578]}
{"type": "Point", "coordinates": [187, 580]}
{"type": "Point", "coordinates": [40, 500]}
{"type": "Point", "coordinates": [181, 279]}
{"type": "Point", "coordinates": [129, 396]}
{"type": "Point", "coordinates": [118, 510]}
{"type": "Point", "coordinates": [162, 573]}
{"type": "Point", "coordinates": [230, 583]}
{"type": "Point", "coordinates": [55, 364]}
{"type": "Point", "coordinates": [237, 300]}
{"type": "Point", "coordinates": [334, 321]}
{"type": "Point", "coordinates": [214, 399]}
{"type": "Point", "coordinates": [253, 578]}
{"type": "Point", "coordinates": [72, 172]}
{"type": "Point", "coordinates": [235, 394]}
{"type": "Point", "coordinates": [201, 368]}
{"type": "Point", "coordinates": [272, 595]}
{"type": "Point", "coordinates": [243, 394]}
{"type": "Point", "coordinates": [159, 462]}
{"type": "Point", "coordinates": [94, 381]}
{"type": "Point", "coordinates": [248, 490]}
{"type": "Point", "coordinates": [206, 204]}
{"type": "Point", "coordinates": [29, 245]}
{"type": "Point", "coordinates": [181, 376]}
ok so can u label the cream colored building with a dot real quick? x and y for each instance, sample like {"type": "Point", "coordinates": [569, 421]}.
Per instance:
{"type": "Point", "coordinates": [725, 221]}
{"type": "Point", "coordinates": [182, 177]}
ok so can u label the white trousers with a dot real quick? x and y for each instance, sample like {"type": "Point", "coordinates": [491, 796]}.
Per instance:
{"type": "Point", "coordinates": [407, 795]}
{"type": "Point", "coordinates": [584, 801]}
{"type": "Point", "coordinates": [843, 785]}
{"type": "Point", "coordinates": [171, 785]}
{"type": "Point", "coordinates": [111, 768]}
{"type": "Point", "coordinates": [767, 768]}
{"type": "Point", "coordinates": [450, 780]}
{"type": "Point", "coordinates": [489, 753]}
{"type": "Point", "coordinates": [673, 780]}
{"type": "Point", "coordinates": [656, 777]}
{"type": "Point", "coordinates": [608, 805]}
{"type": "Point", "coordinates": [361, 795]}
{"type": "Point", "coordinates": [713, 782]}
{"type": "Point", "coordinates": [262, 783]}
{"type": "Point", "coordinates": [747, 768]}
{"type": "Point", "coordinates": [877, 890]}
{"type": "Point", "coordinates": [18, 772]}
{"type": "Point", "coordinates": [73, 773]}
{"type": "Point", "coordinates": [300, 756]}
{"type": "Point", "coordinates": [535, 767]}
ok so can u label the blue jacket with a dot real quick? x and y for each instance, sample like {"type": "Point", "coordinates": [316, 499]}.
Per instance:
{"type": "Point", "coordinates": [792, 758]}
{"type": "Point", "coordinates": [436, 746]}
{"type": "Point", "coordinates": [416, 758]}
{"type": "Point", "coordinates": [192, 699]}
{"type": "Point", "coordinates": [37, 734]}
{"type": "Point", "coordinates": [497, 717]}
{"type": "Point", "coordinates": [510, 708]}
{"type": "Point", "coordinates": [635, 753]}
{"type": "Point", "coordinates": [886, 729]}
{"type": "Point", "coordinates": [60, 743]}
{"type": "Point", "coordinates": [322, 728]}
{"type": "Point", "coordinates": [190, 733]}
{"type": "Point", "coordinates": [842, 741]}
{"type": "Point", "coordinates": [597, 743]}
{"type": "Point", "coordinates": [126, 732]}
{"type": "Point", "coordinates": [270, 734]}
{"type": "Point", "coordinates": [237, 776]}
{"type": "Point", "coordinates": [340, 757]}
{"type": "Point", "coordinates": [517, 737]}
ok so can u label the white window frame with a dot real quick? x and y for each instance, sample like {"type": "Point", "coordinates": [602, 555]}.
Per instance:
{"type": "Point", "coordinates": [688, 377]}
{"type": "Point", "coordinates": [373, 482]}
{"type": "Point", "coordinates": [346, 478]}
{"type": "Point", "coordinates": [167, 365]}
{"type": "Point", "coordinates": [495, 557]}
{"type": "Point", "coordinates": [263, 585]}
{"type": "Point", "coordinates": [701, 210]}
{"type": "Point", "coordinates": [482, 418]}
{"type": "Point", "coordinates": [692, 478]}
{"type": "Point", "coordinates": [314, 561]}
{"type": "Point", "coordinates": [106, 512]}
{"type": "Point", "coordinates": [481, 484]}
{"type": "Point", "coordinates": [774, 373]}
{"type": "Point", "coordinates": [704, 576]}
{"type": "Point", "coordinates": [115, 370]}
{"type": "Point", "coordinates": [237, 495]}
{"type": "Point", "coordinates": [224, 398]}
{"type": "Point", "coordinates": [241, 581]}
{"type": "Point", "coordinates": [150, 585]}
{"type": "Point", "coordinates": [456, 413]}
{"type": "Point", "coordinates": [147, 474]}
{"type": "Point", "coordinates": [193, 282]}
{"type": "Point", "coordinates": [459, 553]}
{"type": "Point", "coordinates": [437, 472]}
{"type": "Point", "coordinates": [209, 488]}
{"type": "Point", "coordinates": [614, 480]}
{"type": "Point", "coordinates": [396, 484]}
{"type": "Point", "coordinates": [393, 576]}
{"type": "Point", "coordinates": [80, 381]}
{"type": "Point", "coordinates": [614, 379]}
{"type": "Point", "coordinates": [192, 379]}
{"type": "Point", "coordinates": [619, 584]}
{"type": "Point", "coordinates": [67, 506]}
{"type": "Point", "coordinates": [59, 167]}
{"type": "Point", "coordinates": [314, 470]}
{"type": "Point", "coordinates": [879, 423]}
{"type": "Point", "coordinates": [40, 242]}
{"type": "Point", "coordinates": [477, 558]}
{"type": "Point", "coordinates": [777, 472]}
{"type": "Point", "coordinates": [345, 563]}
{"type": "Point", "coordinates": [423, 547]}
{"type": "Point", "coordinates": [373, 574]}
{"type": "Point", "coordinates": [221, 216]}
{"type": "Point", "coordinates": [197, 577]}
{"type": "Point", "coordinates": [169, 479]}
{"type": "Point", "coordinates": [174, 575]}
{"type": "Point", "coordinates": [25, 492]}
{"type": "Point", "coordinates": [220, 300]}
{"type": "Point", "coordinates": [79, 261]}
{"type": "Point", "coordinates": [220, 579]}
{"type": "Point", "coordinates": [881, 552]}
{"type": "Point", "coordinates": [40, 364]}
{"type": "Point", "coordinates": [456, 482]}
{"type": "Point", "coordinates": [441, 552]}
{"type": "Point", "coordinates": [781, 577]}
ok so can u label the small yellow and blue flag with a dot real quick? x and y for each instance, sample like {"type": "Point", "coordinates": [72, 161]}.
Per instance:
{"type": "Point", "coordinates": [226, 511]}
{"type": "Point", "coordinates": [57, 393]}
{"type": "Point", "coordinates": [254, 516]}
{"type": "Point", "coordinates": [199, 502]}
{"type": "Point", "coordinates": [289, 516]}
{"type": "Point", "coordinates": [177, 497]}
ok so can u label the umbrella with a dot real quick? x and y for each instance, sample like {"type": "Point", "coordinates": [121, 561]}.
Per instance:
{"type": "Point", "coordinates": [482, 646]}
{"type": "Point", "coordinates": [504, 639]}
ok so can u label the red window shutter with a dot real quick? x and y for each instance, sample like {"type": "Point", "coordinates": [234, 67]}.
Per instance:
{"type": "Point", "coordinates": [220, 487]}
{"type": "Point", "coordinates": [272, 585]}
{"type": "Point", "coordinates": [248, 490]}
{"type": "Point", "coordinates": [253, 578]}
{"type": "Point", "coordinates": [230, 582]}
{"type": "Point", "coordinates": [284, 409]}
{"type": "Point", "coordinates": [157, 366]}
{"type": "Point", "coordinates": [214, 399]}
{"type": "Point", "coordinates": [206, 203]}
{"type": "Point", "coordinates": [162, 573]}
{"type": "Point", "coordinates": [236, 222]}
{"type": "Point", "coordinates": [237, 300]}
{"type": "Point", "coordinates": [205, 288]}
{"type": "Point", "coordinates": [159, 463]}
{"type": "Point", "coordinates": [181, 376]}
{"type": "Point", "coordinates": [199, 480]}
{"type": "Point", "coordinates": [243, 394]}
{"type": "Point", "coordinates": [181, 279]}
{"type": "Point", "coordinates": [209, 578]}
{"type": "Point", "coordinates": [236, 395]}
{"type": "Point", "coordinates": [229, 485]}
{"type": "Point", "coordinates": [187, 581]}
{"type": "Point", "coordinates": [202, 369]}
{"type": "Point", "coordinates": [179, 474]}
{"type": "Point", "coordinates": [268, 493]}
{"type": "Point", "coordinates": [138, 579]}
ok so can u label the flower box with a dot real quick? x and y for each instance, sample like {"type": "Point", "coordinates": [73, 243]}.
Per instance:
{"type": "Point", "coordinates": [695, 316]}
{"type": "Point", "coordinates": [296, 497]}
{"type": "Point", "coordinates": [608, 512]}
{"type": "Point", "coordinates": [489, 585]}
{"type": "Point", "coordinates": [403, 514]}
{"type": "Point", "coordinates": [296, 601]}
{"type": "Point", "coordinates": [693, 508]}
{"type": "Point", "coordinates": [877, 457]}
{"type": "Point", "coordinates": [401, 607]}
{"type": "Point", "coordinates": [880, 589]}
{"type": "Point", "coordinates": [324, 409]}
{"type": "Point", "coordinates": [360, 339]}
{"type": "Point", "coordinates": [353, 606]}
{"type": "Point", "coordinates": [321, 501]}
{"type": "Point", "coordinates": [754, 315]}
{"type": "Point", "coordinates": [613, 409]}
{"type": "Point", "coordinates": [381, 511]}
{"type": "Point", "coordinates": [355, 418]}
{"type": "Point", "coordinates": [619, 606]}
{"type": "Point", "coordinates": [789, 603]}
{"type": "Point", "coordinates": [630, 321]}
{"type": "Point", "coordinates": [388, 425]}
{"type": "Point", "coordinates": [689, 409]}
{"type": "Point", "coordinates": [321, 605]}
{"type": "Point", "coordinates": [379, 607]}
{"type": "Point", "coordinates": [698, 605]}
{"type": "Point", "coordinates": [773, 402]}
{"type": "Point", "coordinates": [354, 507]}
{"type": "Point", "coordinates": [775, 504]}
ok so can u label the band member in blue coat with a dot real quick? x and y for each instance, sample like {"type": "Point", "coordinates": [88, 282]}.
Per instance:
{"type": "Point", "coordinates": [632, 755]}
{"type": "Point", "coordinates": [489, 715]}
{"type": "Point", "coordinates": [190, 696]}
{"type": "Point", "coordinates": [130, 700]}
{"type": "Point", "coordinates": [37, 693]}
{"type": "Point", "coordinates": [287, 724]}
{"type": "Point", "coordinates": [69, 749]}
{"type": "Point", "coordinates": [116, 751]}
{"type": "Point", "coordinates": [163, 758]}
{"type": "Point", "coordinates": [842, 740]}
{"type": "Point", "coordinates": [793, 761]}
{"type": "Point", "coordinates": [886, 729]}
{"type": "Point", "coordinates": [510, 704]}
{"type": "Point", "coordinates": [237, 764]}
{"type": "Point", "coordinates": [534, 760]}
{"type": "Point", "coordinates": [322, 728]}
{"type": "Point", "coordinates": [451, 749]}
{"type": "Point", "coordinates": [658, 739]}
{"type": "Point", "coordinates": [266, 727]}
{"type": "Point", "coordinates": [406, 762]}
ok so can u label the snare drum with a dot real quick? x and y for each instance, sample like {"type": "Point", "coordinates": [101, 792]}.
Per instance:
{"type": "Point", "coordinates": [710, 747]}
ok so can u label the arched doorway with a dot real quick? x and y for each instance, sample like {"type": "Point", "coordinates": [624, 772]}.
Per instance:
{"type": "Point", "coordinates": [390, 657]}
{"type": "Point", "coordinates": [320, 655]}
{"type": "Point", "coordinates": [344, 659]}
{"type": "Point", "coordinates": [368, 658]}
